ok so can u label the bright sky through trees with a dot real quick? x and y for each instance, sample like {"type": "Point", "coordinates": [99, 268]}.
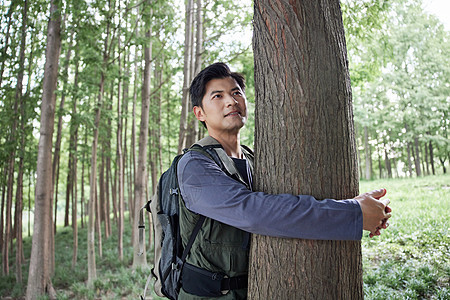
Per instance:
{"type": "Point", "coordinates": [439, 8]}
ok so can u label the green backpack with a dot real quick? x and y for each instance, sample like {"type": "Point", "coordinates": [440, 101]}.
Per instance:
{"type": "Point", "coordinates": [170, 255]}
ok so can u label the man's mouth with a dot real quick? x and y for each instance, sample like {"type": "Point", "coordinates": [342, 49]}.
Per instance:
{"type": "Point", "coordinates": [233, 113]}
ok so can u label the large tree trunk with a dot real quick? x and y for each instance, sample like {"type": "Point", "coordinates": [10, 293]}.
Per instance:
{"type": "Point", "coordinates": [304, 144]}
{"type": "Point", "coordinates": [141, 171]}
{"type": "Point", "coordinates": [40, 266]}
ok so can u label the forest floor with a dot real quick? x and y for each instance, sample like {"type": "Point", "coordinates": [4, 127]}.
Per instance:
{"type": "Point", "coordinates": [410, 260]}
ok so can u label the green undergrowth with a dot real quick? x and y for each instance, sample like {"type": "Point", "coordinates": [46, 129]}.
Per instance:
{"type": "Point", "coordinates": [115, 278]}
{"type": "Point", "coordinates": [411, 259]}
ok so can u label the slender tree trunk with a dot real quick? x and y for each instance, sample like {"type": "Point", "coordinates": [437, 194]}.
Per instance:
{"type": "Point", "coordinates": [408, 149]}
{"type": "Point", "coordinates": [196, 61]}
{"type": "Point", "coordinates": [10, 179]}
{"type": "Point", "coordinates": [367, 154]}
{"type": "Point", "coordinates": [114, 196]}
{"type": "Point", "coordinates": [19, 192]}
{"type": "Point", "coordinates": [29, 204]}
{"type": "Point", "coordinates": [430, 146]}
{"type": "Point", "coordinates": [19, 200]}
{"type": "Point", "coordinates": [120, 178]}
{"type": "Point", "coordinates": [6, 42]}
{"type": "Point", "coordinates": [444, 169]}
{"type": "Point", "coordinates": [380, 169]}
{"type": "Point", "coordinates": [387, 163]}
{"type": "Point", "coordinates": [92, 272]}
{"type": "Point", "coordinates": [98, 220]}
{"type": "Point", "coordinates": [132, 175]}
{"type": "Point", "coordinates": [2, 210]}
{"type": "Point", "coordinates": [417, 157]}
{"type": "Point", "coordinates": [39, 282]}
{"type": "Point", "coordinates": [101, 185]}
{"type": "Point", "coordinates": [186, 75]}
{"type": "Point", "coordinates": [303, 116]}
{"type": "Point", "coordinates": [82, 212]}
{"type": "Point", "coordinates": [141, 172]}
{"type": "Point", "coordinates": [73, 169]}
{"type": "Point", "coordinates": [199, 38]}
{"type": "Point", "coordinates": [427, 165]}
{"type": "Point", "coordinates": [56, 155]}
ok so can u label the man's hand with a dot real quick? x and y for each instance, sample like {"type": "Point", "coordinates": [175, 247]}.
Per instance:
{"type": "Point", "coordinates": [376, 212]}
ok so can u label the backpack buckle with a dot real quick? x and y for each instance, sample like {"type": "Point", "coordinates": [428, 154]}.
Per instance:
{"type": "Point", "coordinates": [176, 266]}
{"type": "Point", "coordinates": [173, 191]}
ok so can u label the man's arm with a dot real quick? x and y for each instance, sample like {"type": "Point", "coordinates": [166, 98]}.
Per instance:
{"type": "Point", "coordinates": [207, 190]}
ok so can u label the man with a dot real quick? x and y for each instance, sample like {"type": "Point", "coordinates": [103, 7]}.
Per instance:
{"type": "Point", "coordinates": [218, 261]}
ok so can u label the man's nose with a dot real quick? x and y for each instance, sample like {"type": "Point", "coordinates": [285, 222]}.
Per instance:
{"type": "Point", "coordinates": [230, 100]}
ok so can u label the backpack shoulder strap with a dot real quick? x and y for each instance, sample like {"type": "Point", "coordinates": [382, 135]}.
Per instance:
{"type": "Point", "coordinates": [210, 147]}
{"type": "Point", "coordinates": [194, 233]}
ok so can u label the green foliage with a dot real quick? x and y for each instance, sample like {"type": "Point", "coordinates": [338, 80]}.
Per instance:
{"type": "Point", "coordinates": [399, 61]}
{"type": "Point", "coordinates": [411, 259]}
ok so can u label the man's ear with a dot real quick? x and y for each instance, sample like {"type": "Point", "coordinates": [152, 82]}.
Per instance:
{"type": "Point", "coordinates": [199, 113]}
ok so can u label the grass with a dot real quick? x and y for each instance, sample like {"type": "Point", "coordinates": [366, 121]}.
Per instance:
{"type": "Point", "coordinates": [410, 260]}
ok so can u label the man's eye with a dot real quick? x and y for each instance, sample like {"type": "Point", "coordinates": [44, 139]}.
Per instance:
{"type": "Point", "coordinates": [217, 96]}
{"type": "Point", "coordinates": [237, 94]}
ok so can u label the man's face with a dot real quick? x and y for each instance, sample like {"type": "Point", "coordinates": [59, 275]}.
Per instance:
{"type": "Point", "coordinates": [224, 106]}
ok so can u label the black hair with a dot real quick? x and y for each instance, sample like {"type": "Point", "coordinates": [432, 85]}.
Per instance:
{"type": "Point", "coordinates": [217, 70]}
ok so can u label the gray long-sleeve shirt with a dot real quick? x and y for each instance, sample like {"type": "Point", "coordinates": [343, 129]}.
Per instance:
{"type": "Point", "coordinates": [208, 191]}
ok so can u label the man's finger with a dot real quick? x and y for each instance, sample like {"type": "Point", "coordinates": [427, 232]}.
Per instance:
{"type": "Point", "coordinates": [385, 202]}
{"type": "Point", "coordinates": [377, 194]}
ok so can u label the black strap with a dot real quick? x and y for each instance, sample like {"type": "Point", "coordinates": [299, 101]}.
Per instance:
{"type": "Point", "coordinates": [234, 283]}
{"type": "Point", "coordinates": [197, 228]}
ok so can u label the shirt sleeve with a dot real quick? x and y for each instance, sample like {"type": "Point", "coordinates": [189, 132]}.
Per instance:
{"type": "Point", "coordinates": [208, 191]}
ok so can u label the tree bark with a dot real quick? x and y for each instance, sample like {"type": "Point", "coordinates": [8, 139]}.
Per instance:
{"type": "Point", "coordinates": [304, 142]}
{"type": "Point", "coordinates": [39, 273]}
